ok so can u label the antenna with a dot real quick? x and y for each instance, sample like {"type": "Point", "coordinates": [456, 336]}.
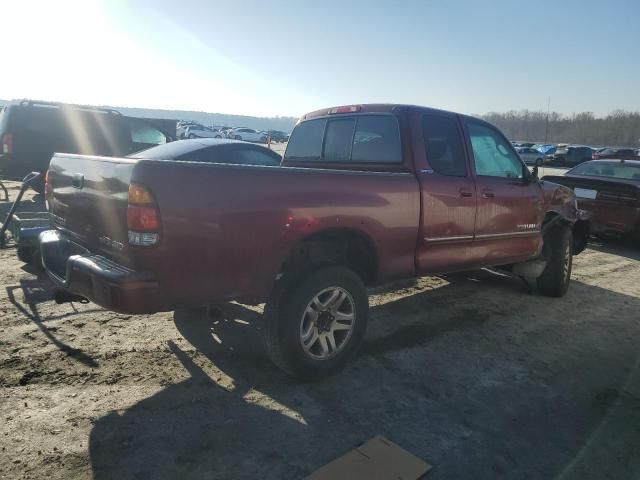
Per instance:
{"type": "Point", "coordinates": [546, 127]}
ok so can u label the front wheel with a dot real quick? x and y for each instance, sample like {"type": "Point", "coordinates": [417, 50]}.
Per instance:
{"type": "Point", "coordinates": [313, 327]}
{"type": "Point", "coordinates": [539, 162]}
{"type": "Point", "coordinates": [192, 136]}
{"type": "Point", "coordinates": [238, 137]}
{"type": "Point", "coordinates": [558, 252]}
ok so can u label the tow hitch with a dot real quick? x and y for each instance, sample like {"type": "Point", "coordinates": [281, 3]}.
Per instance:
{"type": "Point", "coordinates": [62, 296]}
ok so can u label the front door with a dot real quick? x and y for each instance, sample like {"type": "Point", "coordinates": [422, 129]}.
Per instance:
{"type": "Point", "coordinates": [508, 219]}
{"type": "Point", "coordinates": [448, 193]}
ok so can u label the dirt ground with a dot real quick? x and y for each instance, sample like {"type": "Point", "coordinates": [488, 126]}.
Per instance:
{"type": "Point", "coordinates": [472, 373]}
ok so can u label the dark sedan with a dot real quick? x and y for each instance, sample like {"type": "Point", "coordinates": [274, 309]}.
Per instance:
{"type": "Point", "coordinates": [212, 150]}
{"type": "Point", "coordinates": [610, 190]}
{"type": "Point", "coordinates": [278, 136]}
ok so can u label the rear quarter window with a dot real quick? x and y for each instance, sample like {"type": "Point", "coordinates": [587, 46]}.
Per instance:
{"type": "Point", "coordinates": [372, 139]}
{"type": "Point", "coordinates": [377, 140]}
{"type": "Point", "coordinates": [305, 143]}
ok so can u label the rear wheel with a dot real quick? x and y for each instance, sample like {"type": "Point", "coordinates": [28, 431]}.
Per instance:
{"type": "Point", "coordinates": [538, 162]}
{"type": "Point", "coordinates": [238, 137]}
{"type": "Point", "coordinates": [313, 327]}
{"type": "Point", "coordinates": [558, 252]}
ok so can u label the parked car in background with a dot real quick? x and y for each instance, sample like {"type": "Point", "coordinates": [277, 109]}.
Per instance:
{"type": "Point", "coordinates": [212, 150]}
{"type": "Point", "coordinates": [357, 186]}
{"type": "Point", "coordinates": [531, 156]}
{"type": "Point", "coordinates": [247, 134]}
{"type": "Point", "coordinates": [222, 129]}
{"type": "Point", "coordinates": [523, 144]}
{"type": "Point", "coordinates": [571, 155]}
{"type": "Point", "coordinates": [200, 131]}
{"type": "Point", "coordinates": [182, 127]}
{"type": "Point", "coordinates": [610, 190]}
{"type": "Point", "coordinates": [277, 136]}
{"type": "Point", "coordinates": [617, 153]}
{"type": "Point", "coordinates": [31, 131]}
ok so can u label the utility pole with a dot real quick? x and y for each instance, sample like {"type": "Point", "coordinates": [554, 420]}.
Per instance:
{"type": "Point", "coordinates": [546, 128]}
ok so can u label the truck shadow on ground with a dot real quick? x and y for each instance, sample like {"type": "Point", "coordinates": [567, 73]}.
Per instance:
{"type": "Point", "coordinates": [624, 247]}
{"type": "Point", "coordinates": [35, 292]}
{"type": "Point", "coordinates": [454, 375]}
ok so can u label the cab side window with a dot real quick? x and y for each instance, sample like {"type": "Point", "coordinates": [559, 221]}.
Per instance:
{"type": "Point", "coordinates": [443, 145]}
{"type": "Point", "coordinates": [492, 155]}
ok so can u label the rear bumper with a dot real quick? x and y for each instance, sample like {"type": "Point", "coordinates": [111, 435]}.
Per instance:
{"type": "Point", "coordinates": [97, 278]}
{"type": "Point", "coordinates": [612, 219]}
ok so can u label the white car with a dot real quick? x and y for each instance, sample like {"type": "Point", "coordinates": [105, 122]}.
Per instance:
{"type": "Point", "coordinates": [199, 131]}
{"type": "Point", "coordinates": [247, 134]}
{"type": "Point", "coordinates": [531, 156]}
{"type": "Point", "coordinates": [182, 128]}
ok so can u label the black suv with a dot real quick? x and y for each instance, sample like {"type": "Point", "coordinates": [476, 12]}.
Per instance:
{"type": "Point", "coordinates": [572, 155]}
{"type": "Point", "coordinates": [31, 131]}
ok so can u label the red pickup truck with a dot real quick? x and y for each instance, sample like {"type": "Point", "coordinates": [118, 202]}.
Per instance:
{"type": "Point", "coordinates": [364, 194]}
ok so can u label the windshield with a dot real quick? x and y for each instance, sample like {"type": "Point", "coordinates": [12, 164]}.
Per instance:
{"type": "Point", "coordinates": [613, 170]}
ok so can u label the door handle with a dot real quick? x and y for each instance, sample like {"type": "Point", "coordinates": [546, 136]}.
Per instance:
{"type": "Point", "coordinates": [487, 194]}
{"type": "Point", "coordinates": [465, 193]}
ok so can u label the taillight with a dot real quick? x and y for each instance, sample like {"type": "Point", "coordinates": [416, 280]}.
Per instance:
{"type": "Point", "coordinates": [7, 143]}
{"type": "Point", "coordinates": [143, 219]}
{"type": "Point", "coordinates": [47, 189]}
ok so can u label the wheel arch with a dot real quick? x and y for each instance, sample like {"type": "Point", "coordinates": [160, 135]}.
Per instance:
{"type": "Point", "coordinates": [349, 247]}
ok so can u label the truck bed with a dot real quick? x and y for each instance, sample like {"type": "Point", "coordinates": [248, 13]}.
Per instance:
{"type": "Point", "coordinates": [227, 229]}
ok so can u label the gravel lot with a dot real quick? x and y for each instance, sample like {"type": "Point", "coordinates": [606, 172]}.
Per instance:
{"type": "Point", "coordinates": [472, 373]}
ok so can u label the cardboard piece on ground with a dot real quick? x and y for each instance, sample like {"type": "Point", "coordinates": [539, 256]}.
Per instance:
{"type": "Point", "coordinates": [377, 459]}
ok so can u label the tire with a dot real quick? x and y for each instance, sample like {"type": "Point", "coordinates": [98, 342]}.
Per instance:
{"type": "Point", "coordinates": [237, 137]}
{"type": "Point", "coordinates": [218, 136]}
{"type": "Point", "coordinates": [25, 254]}
{"type": "Point", "coordinates": [292, 319]}
{"type": "Point", "coordinates": [538, 162]}
{"type": "Point", "coordinates": [558, 252]}
{"type": "Point", "coordinates": [192, 136]}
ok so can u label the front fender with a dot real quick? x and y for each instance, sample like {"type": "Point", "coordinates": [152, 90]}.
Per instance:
{"type": "Point", "coordinates": [560, 205]}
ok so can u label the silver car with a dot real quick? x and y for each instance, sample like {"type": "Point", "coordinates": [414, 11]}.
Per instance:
{"type": "Point", "coordinates": [531, 156]}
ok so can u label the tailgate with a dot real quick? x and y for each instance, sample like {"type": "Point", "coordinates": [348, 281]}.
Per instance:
{"type": "Point", "coordinates": [88, 198]}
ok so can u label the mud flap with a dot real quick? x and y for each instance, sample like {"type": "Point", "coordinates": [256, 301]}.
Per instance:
{"type": "Point", "coordinates": [581, 231]}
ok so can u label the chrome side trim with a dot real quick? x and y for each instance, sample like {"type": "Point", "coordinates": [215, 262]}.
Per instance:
{"type": "Point", "coordinates": [453, 238]}
{"type": "Point", "coordinates": [507, 234]}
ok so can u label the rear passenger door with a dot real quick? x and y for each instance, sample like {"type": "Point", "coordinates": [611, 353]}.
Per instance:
{"type": "Point", "coordinates": [448, 193]}
{"type": "Point", "coordinates": [509, 213]}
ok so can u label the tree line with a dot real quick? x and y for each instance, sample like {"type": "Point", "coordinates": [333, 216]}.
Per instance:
{"type": "Point", "coordinates": [619, 128]}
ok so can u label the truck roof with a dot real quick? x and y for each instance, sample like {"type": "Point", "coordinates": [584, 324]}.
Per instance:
{"type": "Point", "coordinates": [369, 108]}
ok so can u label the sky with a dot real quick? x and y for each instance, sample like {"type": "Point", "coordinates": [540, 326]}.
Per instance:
{"type": "Point", "coordinates": [279, 58]}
